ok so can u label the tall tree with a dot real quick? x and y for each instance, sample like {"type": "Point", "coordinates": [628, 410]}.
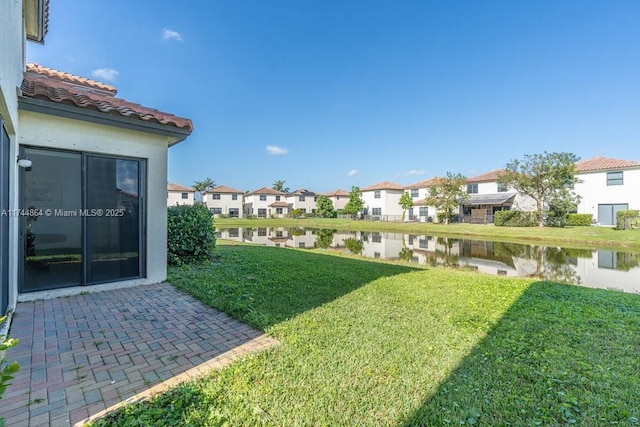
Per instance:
{"type": "Point", "coordinates": [279, 186]}
{"type": "Point", "coordinates": [547, 178]}
{"type": "Point", "coordinates": [355, 203]}
{"type": "Point", "coordinates": [324, 207]}
{"type": "Point", "coordinates": [203, 186]}
{"type": "Point", "coordinates": [446, 194]}
{"type": "Point", "coordinates": [406, 203]}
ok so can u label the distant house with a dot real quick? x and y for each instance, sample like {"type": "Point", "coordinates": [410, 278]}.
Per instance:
{"type": "Point", "coordinates": [382, 201]}
{"type": "Point", "coordinates": [485, 194]}
{"type": "Point", "coordinates": [222, 200]}
{"type": "Point", "coordinates": [180, 195]}
{"type": "Point", "coordinates": [419, 191]}
{"type": "Point", "coordinates": [266, 202]}
{"type": "Point", "coordinates": [339, 198]}
{"type": "Point", "coordinates": [91, 166]}
{"type": "Point", "coordinates": [302, 199]}
{"type": "Point", "coordinates": [607, 186]}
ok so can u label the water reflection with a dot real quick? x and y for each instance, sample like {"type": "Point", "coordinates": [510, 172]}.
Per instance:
{"type": "Point", "coordinates": [592, 268]}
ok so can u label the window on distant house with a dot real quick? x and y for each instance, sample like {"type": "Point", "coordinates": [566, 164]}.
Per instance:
{"type": "Point", "coordinates": [216, 211]}
{"type": "Point", "coordinates": [215, 196]}
{"type": "Point", "coordinates": [262, 213]}
{"type": "Point", "coordinates": [279, 211]}
{"type": "Point", "coordinates": [423, 211]}
{"type": "Point", "coordinates": [376, 254]}
{"type": "Point", "coordinates": [472, 188]}
{"type": "Point", "coordinates": [301, 199]}
{"type": "Point", "coordinates": [234, 197]}
{"type": "Point", "coordinates": [277, 198]}
{"type": "Point", "coordinates": [304, 210]}
{"type": "Point", "coordinates": [262, 232]}
{"type": "Point", "coordinates": [502, 187]}
{"type": "Point", "coordinates": [376, 238]}
{"type": "Point", "coordinates": [376, 194]}
{"type": "Point", "coordinates": [376, 211]}
{"type": "Point", "coordinates": [263, 197]}
{"type": "Point", "coordinates": [185, 195]}
{"type": "Point", "coordinates": [315, 199]}
{"type": "Point", "coordinates": [414, 192]}
{"type": "Point", "coordinates": [614, 178]}
{"type": "Point", "coordinates": [301, 245]}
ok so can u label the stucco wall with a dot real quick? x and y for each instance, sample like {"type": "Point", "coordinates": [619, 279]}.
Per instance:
{"type": "Point", "coordinates": [594, 190]}
{"type": "Point", "coordinates": [41, 130]}
{"type": "Point", "coordinates": [12, 62]}
{"type": "Point", "coordinates": [225, 202]}
{"type": "Point", "coordinates": [175, 198]}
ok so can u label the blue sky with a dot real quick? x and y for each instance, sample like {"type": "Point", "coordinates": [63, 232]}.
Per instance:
{"type": "Point", "coordinates": [330, 94]}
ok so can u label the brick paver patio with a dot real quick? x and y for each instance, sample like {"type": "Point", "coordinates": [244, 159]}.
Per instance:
{"type": "Point", "coordinates": [84, 355]}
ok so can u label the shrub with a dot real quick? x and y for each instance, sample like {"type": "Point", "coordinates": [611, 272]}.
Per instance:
{"type": "Point", "coordinates": [295, 213]}
{"type": "Point", "coordinates": [578, 219]}
{"type": "Point", "coordinates": [442, 216]}
{"type": "Point", "coordinates": [632, 215]}
{"type": "Point", "coordinates": [7, 370]}
{"type": "Point", "coordinates": [190, 234]}
{"type": "Point", "coordinates": [515, 219]}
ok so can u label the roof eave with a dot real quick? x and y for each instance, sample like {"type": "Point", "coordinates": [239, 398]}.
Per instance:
{"type": "Point", "coordinates": [174, 134]}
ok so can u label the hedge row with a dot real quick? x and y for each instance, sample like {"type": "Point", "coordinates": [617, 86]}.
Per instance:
{"type": "Point", "coordinates": [515, 219]}
{"type": "Point", "coordinates": [190, 234]}
{"type": "Point", "coordinates": [632, 215]}
{"type": "Point", "coordinates": [578, 219]}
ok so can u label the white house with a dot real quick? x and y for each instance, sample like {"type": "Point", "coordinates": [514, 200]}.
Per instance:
{"type": "Point", "coordinates": [180, 195]}
{"type": "Point", "coordinates": [339, 198]}
{"type": "Point", "coordinates": [266, 202]}
{"type": "Point", "coordinates": [485, 193]}
{"type": "Point", "coordinates": [82, 173]}
{"type": "Point", "coordinates": [382, 200]}
{"type": "Point", "coordinates": [419, 192]}
{"type": "Point", "coordinates": [607, 186]}
{"type": "Point", "coordinates": [303, 200]}
{"type": "Point", "coordinates": [223, 200]}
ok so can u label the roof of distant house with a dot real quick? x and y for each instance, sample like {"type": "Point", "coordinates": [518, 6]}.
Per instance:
{"type": "Point", "coordinates": [602, 163]}
{"type": "Point", "coordinates": [178, 187]}
{"type": "Point", "coordinates": [302, 192]}
{"type": "Point", "coordinates": [385, 185]}
{"type": "Point", "coordinates": [280, 204]}
{"type": "Point", "coordinates": [486, 177]}
{"type": "Point", "coordinates": [336, 193]}
{"type": "Point", "coordinates": [63, 88]}
{"type": "Point", "coordinates": [268, 191]}
{"type": "Point", "coordinates": [224, 189]}
{"type": "Point", "coordinates": [421, 184]}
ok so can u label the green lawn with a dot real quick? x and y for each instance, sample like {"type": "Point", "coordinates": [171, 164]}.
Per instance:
{"type": "Point", "coordinates": [580, 237]}
{"type": "Point", "coordinates": [372, 343]}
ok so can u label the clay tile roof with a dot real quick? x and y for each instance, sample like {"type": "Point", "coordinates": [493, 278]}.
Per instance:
{"type": "Point", "coordinates": [301, 192]}
{"type": "Point", "coordinates": [268, 191]}
{"type": "Point", "coordinates": [336, 193]}
{"type": "Point", "coordinates": [600, 163]}
{"type": "Point", "coordinates": [64, 88]}
{"type": "Point", "coordinates": [489, 176]}
{"type": "Point", "coordinates": [178, 187]}
{"type": "Point", "coordinates": [421, 202]}
{"type": "Point", "coordinates": [279, 205]}
{"type": "Point", "coordinates": [422, 184]}
{"type": "Point", "coordinates": [385, 185]}
{"type": "Point", "coordinates": [224, 189]}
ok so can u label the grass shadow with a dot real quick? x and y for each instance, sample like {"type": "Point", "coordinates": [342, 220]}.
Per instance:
{"type": "Point", "coordinates": [259, 286]}
{"type": "Point", "coordinates": [560, 355]}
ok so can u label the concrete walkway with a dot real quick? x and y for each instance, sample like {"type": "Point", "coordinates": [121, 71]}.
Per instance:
{"type": "Point", "coordinates": [84, 355]}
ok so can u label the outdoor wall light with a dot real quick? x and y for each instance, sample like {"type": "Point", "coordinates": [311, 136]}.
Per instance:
{"type": "Point", "coordinates": [24, 161]}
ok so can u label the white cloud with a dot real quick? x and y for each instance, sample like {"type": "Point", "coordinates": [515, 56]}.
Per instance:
{"type": "Point", "coordinates": [108, 74]}
{"type": "Point", "coordinates": [274, 150]}
{"type": "Point", "coordinates": [352, 172]}
{"type": "Point", "coordinates": [168, 34]}
{"type": "Point", "coordinates": [414, 172]}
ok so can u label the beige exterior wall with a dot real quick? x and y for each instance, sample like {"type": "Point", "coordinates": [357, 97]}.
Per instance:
{"type": "Point", "coordinates": [309, 204]}
{"type": "Point", "coordinates": [175, 198]}
{"type": "Point", "coordinates": [41, 130]}
{"type": "Point", "coordinates": [225, 202]}
{"type": "Point", "coordinates": [339, 202]}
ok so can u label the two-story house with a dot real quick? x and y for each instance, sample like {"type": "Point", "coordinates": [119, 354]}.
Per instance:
{"type": "Point", "coordinates": [266, 202]}
{"type": "Point", "coordinates": [302, 199]}
{"type": "Point", "coordinates": [382, 201]}
{"type": "Point", "coordinates": [420, 211]}
{"type": "Point", "coordinates": [180, 195]}
{"type": "Point", "coordinates": [89, 168]}
{"type": "Point", "coordinates": [607, 186]}
{"type": "Point", "coordinates": [339, 198]}
{"type": "Point", "coordinates": [223, 200]}
{"type": "Point", "coordinates": [486, 195]}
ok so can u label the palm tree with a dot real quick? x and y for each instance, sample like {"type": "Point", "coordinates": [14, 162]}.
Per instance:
{"type": "Point", "coordinates": [279, 186]}
{"type": "Point", "coordinates": [203, 186]}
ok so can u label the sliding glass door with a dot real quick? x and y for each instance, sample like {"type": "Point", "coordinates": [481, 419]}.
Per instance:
{"type": "Point", "coordinates": [82, 219]}
{"type": "Point", "coordinates": [4, 219]}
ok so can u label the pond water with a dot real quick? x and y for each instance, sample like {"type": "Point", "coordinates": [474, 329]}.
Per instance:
{"type": "Point", "coordinates": [595, 268]}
